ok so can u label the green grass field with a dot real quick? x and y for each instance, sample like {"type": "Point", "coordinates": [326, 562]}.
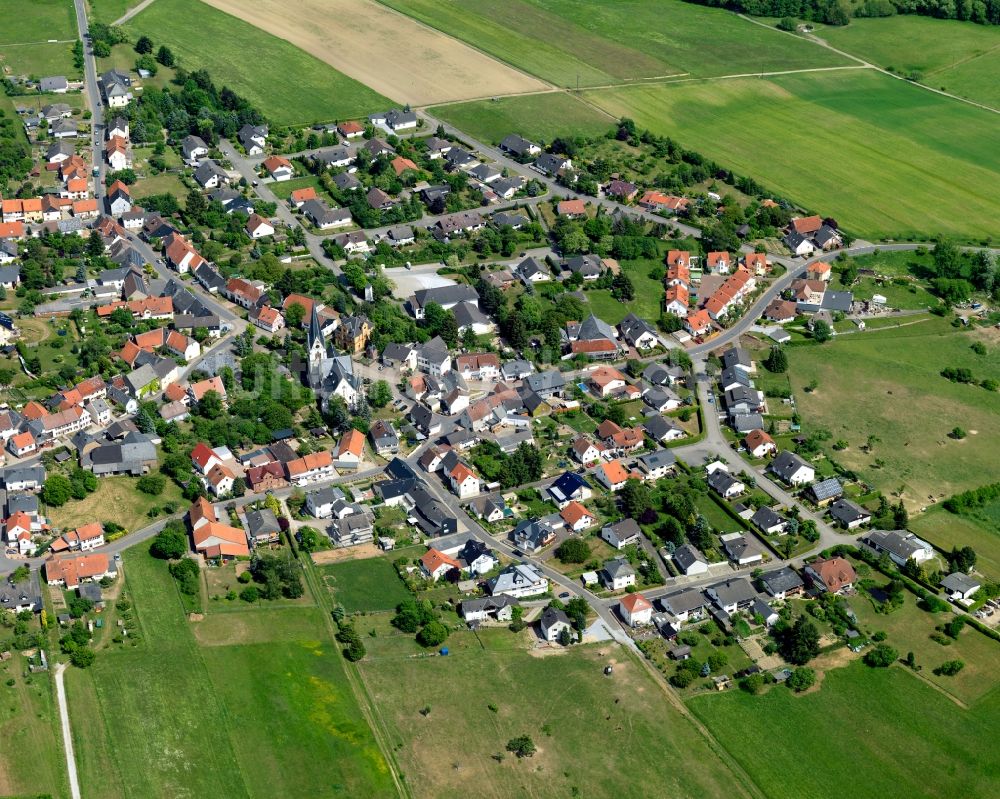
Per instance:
{"type": "Point", "coordinates": [590, 43]}
{"type": "Point", "coordinates": [541, 117]}
{"type": "Point", "coordinates": [40, 60]}
{"type": "Point", "coordinates": [888, 384]}
{"type": "Point", "coordinates": [267, 713]}
{"type": "Point", "coordinates": [867, 733]}
{"type": "Point", "coordinates": [116, 499]}
{"type": "Point", "coordinates": [909, 630]}
{"type": "Point", "coordinates": [109, 10]}
{"type": "Point", "coordinates": [648, 298]}
{"type": "Point", "coordinates": [980, 531]}
{"type": "Point", "coordinates": [289, 86]}
{"type": "Point", "coordinates": [960, 57]}
{"type": "Point", "coordinates": [883, 157]}
{"type": "Point", "coordinates": [48, 19]}
{"type": "Point", "coordinates": [28, 713]}
{"type": "Point", "coordinates": [601, 736]}
{"type": "Point", "coordinates": [364, 585]}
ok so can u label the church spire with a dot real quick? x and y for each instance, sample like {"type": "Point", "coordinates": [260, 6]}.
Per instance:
{"type": "Point", "coordinates": [316, 342]}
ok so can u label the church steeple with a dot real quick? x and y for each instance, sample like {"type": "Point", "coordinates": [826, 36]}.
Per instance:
{"type": "Point", "coordinates": [317, 344]}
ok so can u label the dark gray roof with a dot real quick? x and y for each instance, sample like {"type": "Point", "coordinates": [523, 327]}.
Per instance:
{"type": "Point", "coordinates": [546, 382]}
{"type": "Point", "coordinates": [446, 295]}
{"type": "Point", "coordinates": [552, 617]}
{"type": "Point", "coordinates": [787, 463]}
{"type": "Point", "coordinates": [846, 512]}
{"type": "Point", "coordinates": [765, 518]}
{"type": "Point", "coordinates": [262, 522]}
{"type": "Point", "coordinates": [658, 459]}
{"type": "Point", "coordinates": [683, 601]}
{"type": "Point", "coordinates": [781, 580]}
{"type": "Point", "coordinates": [837, 301]}
{"type": "Point", "coordinates": [737, 590]}
{"type": "Point", "coordinates": [686, 555]}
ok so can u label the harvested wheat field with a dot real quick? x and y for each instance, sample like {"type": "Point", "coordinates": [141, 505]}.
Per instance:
{"type": "Point", "coordinates": [387, 51]}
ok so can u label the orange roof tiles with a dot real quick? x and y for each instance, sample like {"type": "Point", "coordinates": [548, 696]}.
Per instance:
{"type": "Point", "coordinates": [352, 443]}
{"type": "Point", "coordinates": [310, 462]}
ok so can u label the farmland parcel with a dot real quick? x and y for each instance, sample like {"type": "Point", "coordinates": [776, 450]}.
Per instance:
{"type": "Point", "coordinates": [881, 156]}
{"type": "Point", "coordinates": [287, 84]}
{"type": "Point", "coordinates": [594, 42]}
{"type": "Point", "coordinates": [882, 730]}
{"type": "Point", "coordinates": [275, 708]}
{"type": "Point", "coordinates": [386, 51]}
{"type": "Point", "coordinates": [960, 57]}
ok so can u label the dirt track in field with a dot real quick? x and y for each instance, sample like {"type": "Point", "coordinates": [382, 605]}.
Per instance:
{"type": "Point", "coordinates": [387, 51]}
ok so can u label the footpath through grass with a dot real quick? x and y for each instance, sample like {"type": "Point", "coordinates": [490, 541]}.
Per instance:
{"type": "Point", "coordinates": [866, 733]}
{"type": "Point", "coordinates": [286, 84]}
{"type": "Point", "coordinates": [269, 716]}
{"type": "Point", "coordinates": [959, 57]}
{"type": "Point", "coordinates": [897, 160]}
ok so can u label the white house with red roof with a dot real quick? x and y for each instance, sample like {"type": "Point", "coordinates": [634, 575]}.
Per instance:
{"type": "Point", "coordinates": [435, 564]}
{"type": "Point", "coordinates": [464, 481]}
{"type": "Point", "coordinates": [636, 610]}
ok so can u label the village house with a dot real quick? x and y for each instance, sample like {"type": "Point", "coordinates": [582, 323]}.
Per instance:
{"type": "Point", "coordinates": [834, 575]}
{"type": "Point", "coordinates": [635, 610]}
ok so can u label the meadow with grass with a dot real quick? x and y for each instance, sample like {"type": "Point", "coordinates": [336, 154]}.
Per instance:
{"type": "Point", "coordinates": [288, 85]}
{"type": "Point", "coordinates": [25, 46]}
{"type": "Point", "coordinates": [266, 713]}
{"type": "Point", "coordinates": [979, 529]}
{"type": "Point", "coordinates": [584, 43]}
{"type": "Point", "coordinates": [887, 385]}
{"type": "Point", "coordinates": [596, 735]}
{"type": "Point", "coordinates": [959, 57]}
{"type": "Point", "coordinates": [866, 733]}
{"type": "Point", "coordinates": [364, 585]}
{"type": "Point", "coordinates": [883, 157]}
{"type": "Point", "coordinates": [540, 117]}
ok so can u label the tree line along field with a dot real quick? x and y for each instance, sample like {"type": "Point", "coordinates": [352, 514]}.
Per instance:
{"type": "Point", "coordinates": [887, 384]}
{"type": "Point", "coordinates": [286, 84]}
{"type": "Point", "coordinates": [883, 157]}
{"type": "Point", "coordinates": [866, 733]}
{"type": "Point", "coordinates": [267, 712]}
{"type": "Point", "coordinates": [593, 42]}
{"type": "Point", "coordinates": [960, 57]}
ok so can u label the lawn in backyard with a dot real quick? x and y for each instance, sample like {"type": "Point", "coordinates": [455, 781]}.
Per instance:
{"type": "Point", "coordinates": [960, 57]}
{"type": "Point", "coordinates": [590, 729]}
{"type": "Point", "coordinates": [364, 585]}
{"type": "Point", "coordinates": [647, 302]}
{"type": "Point", "coordinates": [909, 629]}
{"type": "Point", "coordinates": [882, 732]}
{"type": "Point", "coordinates": [116, 500]}
{"type": "Point", "coordinates": [888, 384]}
{"type": "Point", "coordinates": [539, 117]}
{"type": "Point", "coordinates": [899, 161]}
{"type": "Point", "coordinates": [591, 43]}
{"type": "Point", "coordinates": [284, 189]}
{"type": "Point", "coordinates": [276, 706]}
{"type": "Point", "coordinates": [286, 84]}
